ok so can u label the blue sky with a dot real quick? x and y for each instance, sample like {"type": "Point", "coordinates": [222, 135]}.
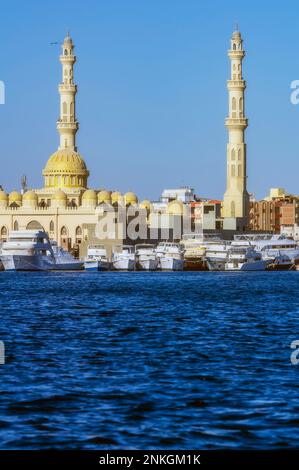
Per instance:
{"type": "Point", "coordinates": [152, 93]}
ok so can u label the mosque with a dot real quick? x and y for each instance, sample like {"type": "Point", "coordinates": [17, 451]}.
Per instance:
{"type": "Point", "coordinates": [65, 204]}
{"type": "Point", "coordinates": [69, 211]}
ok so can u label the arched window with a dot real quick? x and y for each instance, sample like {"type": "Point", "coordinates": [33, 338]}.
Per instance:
{"type": "Point", "coordinates": [51, 226]}
{"type": "Point", "coordinates": [3, 231]}
{"type": "Point", "coordinates": [233, 170]}
{"type": "Point", "coordinates": [16, 225]}
{"type": "Point", "coordinates": [234, 104]}
{"type": "Point", "coordinates": [72, 108]}
{"type": "Point", "coordinates": [241, 105]}
{"type": "Point", "coordinates": [63, 231]}
{"type": "Point", "coordinates": [233, 209]}
{"type": "Point", "coordinates": [78, 231]}
{"type": "Point", "coordinates": [64, 107]}
{"type": "Point", "coordinates": [233, 154]}
{"type": "Point", "coordinates": [34, 225]}
{"type": "Point", "coordinates": [65, 51]}
{"type": "Point", "coordinates": [239, 154]}
{"type": "Point", "coordinates": [239, 170]}
{"type": "Point", "coordinates": [234, 47]}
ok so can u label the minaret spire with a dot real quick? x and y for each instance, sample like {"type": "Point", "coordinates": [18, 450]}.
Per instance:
{"type": "Point", "coordinates": [67, 124]}
{"type": "Point", "coordinates": [236, 199]}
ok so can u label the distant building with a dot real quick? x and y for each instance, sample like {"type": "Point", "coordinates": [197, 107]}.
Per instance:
{"type": "Point", "coordinates": [278, 213]}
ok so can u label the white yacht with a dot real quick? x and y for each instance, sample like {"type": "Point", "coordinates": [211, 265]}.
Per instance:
{"type": "Point", "coordinates": [65, 261]}
{"type": "Point", "coordinates": [27, 250]}
{"type": "Point", "coordinates": [96, 259]}
{"type": "Point", "coordinates": [216, 251]}
{"type": "Point", "coordinates": [245, 258]}
{"type": "Point", "coordinates": [194, 252]}
{"type": "Point", "coordinates": [171, 256]}
{"type": "Point", "coordinates": [123, 258]}
{"type": "Point", "coordinates": [146, 259]}
{"type": "Point", "coordinates": [284, 251]}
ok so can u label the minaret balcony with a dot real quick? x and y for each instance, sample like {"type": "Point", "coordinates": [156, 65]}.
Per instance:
{"type": "Point", "coordinates": [67, 88]}
{"type": "Point", "coordinates": [241, 123]}
{"type": "Point", "coordinates": [67, 125]}
{"type": "Point", "coordinates": [236, 84]}
{"type": "Point", "coordinates": [236, 54]}
{"type": "Point", "coordinates": [67, 59]}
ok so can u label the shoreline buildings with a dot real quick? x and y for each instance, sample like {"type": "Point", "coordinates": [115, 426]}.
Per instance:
{"type": "Point", "coordinates": [70, 211]}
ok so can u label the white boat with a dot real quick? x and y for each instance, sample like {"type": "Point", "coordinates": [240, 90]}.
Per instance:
{"type": "Point", "coordinates": [65, 261]}
{"type": "Point", "coordinates": [284, 251]}
{"type": "Point", "coordinates": [171, 256]}
{"type": "Point", "coordinates": [245, 258]}
{"type": "Point", "coordinates": [96, 259]}
{"type": "Point", "coordinates": [216, 251]}
{"type": "Point", "coordinates": [27, 250]}
{"type": "Point", "coordinates": [194, 252]}
{"type": "Point", "coordinates": [146, 259]}
{"type": "Point", "coordinates": [123, 258]}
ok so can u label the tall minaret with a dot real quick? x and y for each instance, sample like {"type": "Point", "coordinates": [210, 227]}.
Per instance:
{"type": "Point", "coordinates": [67, 125]}
{"type": "Point", "coordinates": [236, 198]}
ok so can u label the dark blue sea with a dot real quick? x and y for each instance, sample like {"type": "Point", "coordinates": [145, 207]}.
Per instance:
{"type": "Point", "coordinates": [149, 360]}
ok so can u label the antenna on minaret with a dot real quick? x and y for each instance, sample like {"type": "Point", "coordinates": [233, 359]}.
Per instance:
{"type": "Point", "coordinates": [236, 27]}
{"type": "Point", "coordinates": [24, 183]}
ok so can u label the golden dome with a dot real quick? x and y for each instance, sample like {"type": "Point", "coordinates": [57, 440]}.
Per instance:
{"type": "Point", "coordinates": [175, 207]}
{"type": "Point", "coordinates": [115, 197]}
{"type": "Point", "coordinates": [146, 204]}
{"type": "Point", "coordinates": [66, 168]}
{"type": "Point", "coordinates": [130, 198]}
{"type": "Point", "coordinates": [15, 197]}
{"type": "Point", "coordinates": [30, 196]}
{"type": "Point", "coordinates": [104, 197]}
{"type": "Point", "coordinates": [3, 196]}
{"type": "Point", "coordinates": [59, 196]}
{"type": "Point", "coordinates": [89, 195]}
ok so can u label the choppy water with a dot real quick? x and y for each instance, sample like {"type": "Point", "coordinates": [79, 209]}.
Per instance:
{"type": "Point", "coordinates": [149, 360]}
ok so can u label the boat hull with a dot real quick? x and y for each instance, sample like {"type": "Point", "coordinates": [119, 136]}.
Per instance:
{"type": "Point", "coordinates": [147, 264]}
{"type": "Point", "coordinates": [171, 264]}
{"type": "Point", "coordinates": [96, 265]}
{"type": "Point", "coordinates": [71, 266]}
{"type": "Point", "coordinates": [254, 266]}
{"type": "Point", "coordinates": [124, 265]}
{"type": "Point", "coordinates": [195, 264]}
{"type": "Point", "coordinates": [26, 263]}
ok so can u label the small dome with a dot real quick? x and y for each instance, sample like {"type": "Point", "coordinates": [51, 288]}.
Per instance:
{"type": "Point", "coordinates": [115, 197]}
{"type": "Point", "coordinates": [68, 39]}
{"type": "Point", "coordinates": [16, 197]}
{"type": "Point", "coordinates": [104, 197]}
{"type": "Point", "coordinates": [89, 195]}
{"type": "Point", "coordinates": [236, 35]}
{"type": "Point", "coordinates": [130, 198]}
{"type": "Point", "coordinates": [3, 196]}
{"type": "Point", "coordinates": [59, 196]}
{"type": "Point", "coordinates": [175, 207]}
{"type": "Point", "coordinates": [146, 204]}
{"type": "Point", "coordinates": [30, 196]}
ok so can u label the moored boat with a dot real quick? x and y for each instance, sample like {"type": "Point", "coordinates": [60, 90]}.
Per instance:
{"type": "Point", "coordinates": [65, 261]}
{"type": "Point", "coordinates": [27, 250]}
{"type": "Point", "coordinates": [146, 259]}
{"type": "Point", "coordinates": [96, 259]}
{"type": "Point", "coordinates": [171, 256]}
{"type": "Point", "coordinates": [123, 258]}
{"type": "Point", "coordinates": [244, 258]}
